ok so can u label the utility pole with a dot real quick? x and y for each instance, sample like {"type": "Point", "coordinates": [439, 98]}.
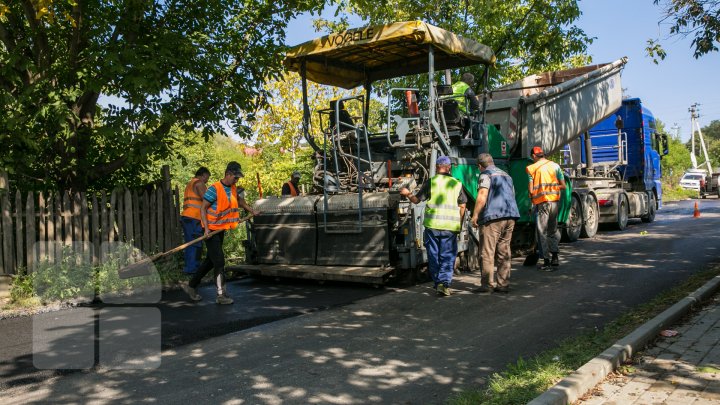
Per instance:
{"type": "Point", "coordinates": [694, 124]}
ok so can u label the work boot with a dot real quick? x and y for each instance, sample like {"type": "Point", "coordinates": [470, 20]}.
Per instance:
{"type": "Point", "coordinates": [483, 289]}
{"type": "Point", "coordinates": [554, 261]}
{"type": "Point", "coordinates": [444, 290]}
{"type": "Point", "coordinates": [546, 266]}
{"type": "Point", "coordinates": [191, 292]}
{"type": "Point", "coordinates": [223, 299]}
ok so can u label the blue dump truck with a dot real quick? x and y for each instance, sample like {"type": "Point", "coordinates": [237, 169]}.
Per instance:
{"type": "Point", "coordinates": [615, 169]}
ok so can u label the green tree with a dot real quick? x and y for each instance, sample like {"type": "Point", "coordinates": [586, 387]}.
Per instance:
{"type": "Point", "coordinates": [675, 163]}
{"type": "Point", "coordinates": [527, 36]}
{"type": "Point", "coordinates": [170, 64]}
{"type": "Point", "coordinates": [698, 19]}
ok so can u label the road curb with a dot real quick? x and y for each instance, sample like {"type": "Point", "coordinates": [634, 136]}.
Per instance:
{"type": "Point", "coordinates": [574, 386]}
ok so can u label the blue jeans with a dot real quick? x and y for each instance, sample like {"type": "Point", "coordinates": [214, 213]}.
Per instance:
{"type": "Point", "coordinates": [441, 249]}
{"type": "Point", "coordinates": [192, 229]}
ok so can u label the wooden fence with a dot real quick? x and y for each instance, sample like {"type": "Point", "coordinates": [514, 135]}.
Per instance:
{"type": "Point", "coordinates": [33, 224]}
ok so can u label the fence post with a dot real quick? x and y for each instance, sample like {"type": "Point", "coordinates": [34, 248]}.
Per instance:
{"type": "Point", "coordinates": [95, 229]}
{"type": "Point", "coordinates": [19, 240]}
{"type": "Point", "coordinates": [127, 205]}
{"type": "Point", "coordinates": [137, 235]}
{"type": "Point", "coordinates": [105, 230]}
{"type": "Point", "coordinates": [146, 223]}
{"type": "Point", "coordinates": [50, 245]}
{"type": "Point", "coordinates": [7, 234]}
{"type": "Point", "coordinates": [152, 210]}
{"type": "Point", "coordinates": [84, 230]}
{"type": "Point", "coordinates": [176, 210]}
{"type": "Point", "coordinates": [159, 219]}
{"type": "Point", "coordinates": [120, 213]}
{"type": "Point", "coordinates": [30, 240]}
{"type": "Point", "coordinates": [42, 230]}
{"type": "Point", "coordinates": [67, 218]}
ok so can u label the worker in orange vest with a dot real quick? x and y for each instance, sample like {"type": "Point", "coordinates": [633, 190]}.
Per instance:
{"type": "Point", "coordinates": [220, 210]}
{"type": "Point", "coordinates": [291, 189]}
{"type": "Point", "coordinates": [545, 187]}
{"type": "Point", "coordinates": [190, 218]}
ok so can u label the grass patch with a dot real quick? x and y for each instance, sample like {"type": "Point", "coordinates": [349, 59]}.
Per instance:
{"type": "Point", "coordinates": [708, 369]}
{"type": "Point", "coordinates": [678, 193]}
{"type": "Point", "coordinates": [526, 379]}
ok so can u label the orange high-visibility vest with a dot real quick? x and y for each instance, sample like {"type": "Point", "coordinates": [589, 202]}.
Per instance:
{"type": "Point", "coordinates": [293, 190]}
{"type": "Point", "coordinates": [191, 201]}
{"type": "Point", "coordinates": [546, 186]}
{"type": "Point", "coordinates": [226, 214]}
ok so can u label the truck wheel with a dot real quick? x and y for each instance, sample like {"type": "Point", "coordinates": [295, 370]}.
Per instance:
{"type": "Point", "coordinates": [591, 215]}
{"type": "Point", "coordinates": [651, 210]}
{"type": "Point", "coordinates": [622, 214]}
{"type": "Point", "coordinates": [571, 230]}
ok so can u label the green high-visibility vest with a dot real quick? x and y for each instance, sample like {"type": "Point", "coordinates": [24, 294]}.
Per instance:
{"type": "Point", "coordinates": [459, 89]}
{"type": "Point", "coordinates": [441, 210]}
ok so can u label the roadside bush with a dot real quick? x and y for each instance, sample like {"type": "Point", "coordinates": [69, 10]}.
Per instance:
{"type": "Point", "coordinates": [21, 288]}
{"type": "Point", "coordinates": [676, 193]}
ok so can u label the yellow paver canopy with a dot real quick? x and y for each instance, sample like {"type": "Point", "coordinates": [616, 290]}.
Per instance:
{"type": "Point", "coordinates": [350, 58]}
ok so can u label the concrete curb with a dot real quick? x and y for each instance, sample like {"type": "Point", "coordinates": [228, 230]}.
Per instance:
{"type": "Point", "coordinates": [574, 386]}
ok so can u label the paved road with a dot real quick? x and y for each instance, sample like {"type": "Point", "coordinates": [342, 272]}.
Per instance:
{"type": "Point", "coordinates": [409, 346]}
{"type": "Point", "coordinates": [183, 322]}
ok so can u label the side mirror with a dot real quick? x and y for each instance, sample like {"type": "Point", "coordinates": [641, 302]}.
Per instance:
{"type": "Point", "coordinates": [665, 144]}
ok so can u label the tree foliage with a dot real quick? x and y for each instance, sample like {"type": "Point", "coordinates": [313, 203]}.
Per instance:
{"type": "Point", "coordinates": [698, 19]}
{"type": "Point", "coordinates": [674, 164]}
{"type": "Point", "coordinates": [527, 36]}
{"type": "Point", "coordinates": [169, 64]}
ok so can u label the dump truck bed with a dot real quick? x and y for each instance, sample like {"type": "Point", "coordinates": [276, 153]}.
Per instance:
{"type": "Point", "coordinates": [551, 109]}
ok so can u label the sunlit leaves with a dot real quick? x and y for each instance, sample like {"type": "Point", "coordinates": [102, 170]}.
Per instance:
{"type": "Point", "coordinates": [697, 19]}
{"type": "Point", "coordinates": [527, 36]}
{"type": "Point", "coordinates": [197, 65]}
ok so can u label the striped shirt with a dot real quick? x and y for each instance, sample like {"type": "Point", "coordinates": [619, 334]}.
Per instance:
{"type": "Point", "coordinates": [211, 196]}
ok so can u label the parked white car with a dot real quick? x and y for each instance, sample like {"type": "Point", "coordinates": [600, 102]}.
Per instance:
{"type": "Point", "coordinates": [692, 181]}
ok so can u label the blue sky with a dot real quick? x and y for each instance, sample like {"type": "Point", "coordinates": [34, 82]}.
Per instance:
{"type": "Point", "coordinates": [622, 28]}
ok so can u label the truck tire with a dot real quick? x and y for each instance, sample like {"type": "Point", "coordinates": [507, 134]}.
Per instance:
{"type": "Point", "coordinates": [622, 214]}
{"type": "Point", "coordinates": [650, 217]}
{"type": "Point", "coordinates": [591, 217]}
{"type": "Point", "coordinates": [573, 226]}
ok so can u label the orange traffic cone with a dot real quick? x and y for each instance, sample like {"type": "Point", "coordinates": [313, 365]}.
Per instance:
{"type": "Point", "coordinates": [696, 214]}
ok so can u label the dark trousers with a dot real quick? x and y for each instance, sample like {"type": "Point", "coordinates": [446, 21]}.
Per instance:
{"type": "Point", "coordinates": [548, 232]}
{"type": "Point", "coordinates": [192, 229]}
{"type": "Point", "coordinates": [215, 259]}
{"type": "Point", "coordinates": [441, 249]}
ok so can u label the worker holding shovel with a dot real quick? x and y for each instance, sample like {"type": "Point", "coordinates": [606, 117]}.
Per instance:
{"type": "Point", "coordinates": [220, 211]}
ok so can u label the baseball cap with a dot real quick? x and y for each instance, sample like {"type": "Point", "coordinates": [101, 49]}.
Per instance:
{"type": "Point", "coordinates": [234, 168]}
{"type": "Point", "coordinates": [442, 160]}
{"type": "Point", "coordinates": [536, 150]}
{"type": "Point", "coordinates": [296, 174]}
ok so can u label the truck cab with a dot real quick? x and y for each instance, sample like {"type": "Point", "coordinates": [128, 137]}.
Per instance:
{"type": "Point", "coordinates": [619, 160]}
{"type": "Point", "coordinates": [642, 144]}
